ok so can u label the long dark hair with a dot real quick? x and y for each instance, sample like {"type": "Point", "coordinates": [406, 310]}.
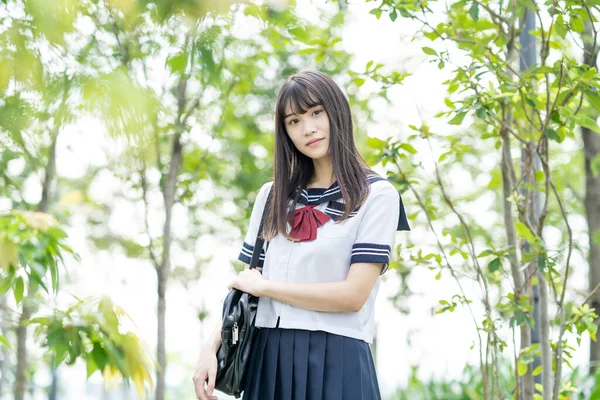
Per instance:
{"type": "Point", "coordinates": [292, 170]}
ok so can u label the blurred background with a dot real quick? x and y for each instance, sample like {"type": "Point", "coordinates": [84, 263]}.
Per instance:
{"type": "Point", "coordinates": [135, 134]}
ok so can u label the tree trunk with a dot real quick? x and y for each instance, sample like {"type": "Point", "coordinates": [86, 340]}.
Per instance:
{"type": "Point", "coordinates": [4, 360]}
{"type": "Point", "coordinates": [54, 385]}
{"type": "Point", "coordinates": [508, 183]}
{"type": "Point", "coordinates": [28, 306]}
{"type": "Point", "coordinates": [164, 269]}
{"type": "Point", "coordinates": [591, 147]}
{"type": "Point", "coordinates": [161, 335]}
{"type": "Point", "coordinates": [21, 331]}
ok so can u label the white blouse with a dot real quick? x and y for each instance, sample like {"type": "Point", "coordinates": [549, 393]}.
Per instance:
{"type": "Point", "coordinates": [366, 237]}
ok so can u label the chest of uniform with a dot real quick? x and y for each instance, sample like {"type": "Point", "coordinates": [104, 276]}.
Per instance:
{"type": "Point", "coordinates": [331, 248]}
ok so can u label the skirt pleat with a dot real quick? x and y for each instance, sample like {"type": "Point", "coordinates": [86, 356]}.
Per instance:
{"type": "Point", "coordinates": [334, 368]}
{"type": "Point", "coordinates": [300, 363]}
{"type": "Point", "coordinates": [252, 390]}
{"type": "Point", "coordinates": [316, 364]}
{"type": "Point", "coordinates": [352, 381]}
{"type": "Point", "coordinates": [284, 383]}
{"type": "Point", "coordinates": [270, 369]}
{"type": "Point", "coordinates": [297, 364]}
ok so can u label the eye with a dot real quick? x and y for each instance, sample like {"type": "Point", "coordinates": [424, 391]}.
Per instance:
{"type": "Point", "coordinates": [292, 120]}
{"type": "Point", "coordinates": [317, 112]}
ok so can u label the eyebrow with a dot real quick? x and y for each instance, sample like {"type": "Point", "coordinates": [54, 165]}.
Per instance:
{"type": "Point", "coordinates": [289, 115]}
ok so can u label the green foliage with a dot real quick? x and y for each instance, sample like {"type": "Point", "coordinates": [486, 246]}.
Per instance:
{"type": "Point", "coordinates": [31, 247]}
{"type": "Point", "coordinates": [92, 330]}
{"type": "Point", "coordinates": [580, 386]}
{"type": "Point", "coordinates": [541, 109]}
{"type": "Point", "coordinates": [468, 387]}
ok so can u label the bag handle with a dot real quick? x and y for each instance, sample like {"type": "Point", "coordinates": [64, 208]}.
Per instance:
{"type": "Point", "coordinates": [258, 245]}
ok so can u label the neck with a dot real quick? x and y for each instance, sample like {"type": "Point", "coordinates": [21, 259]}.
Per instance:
{"type": "Point", "coordinates": [323, 174]}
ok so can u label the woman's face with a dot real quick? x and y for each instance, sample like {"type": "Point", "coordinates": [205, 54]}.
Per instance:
{"type": "Point", "coordinates": [305, 128]}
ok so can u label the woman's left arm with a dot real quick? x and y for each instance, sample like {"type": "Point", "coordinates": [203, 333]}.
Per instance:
{"type": "Point", "coordinates": [342, 296]}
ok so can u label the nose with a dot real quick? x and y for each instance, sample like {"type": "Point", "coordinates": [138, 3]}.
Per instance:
{"type": "Point", "coordinates": [310, 127]}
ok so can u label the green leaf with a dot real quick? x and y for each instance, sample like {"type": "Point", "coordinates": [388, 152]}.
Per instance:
{"type": "Point", "coordinates": [458, 118]}
{"type": "Point", "coordinates": [552, 135]}
{"type": "Point", "coordinates": [393, 15]}
{"type": "Point", "coordinates": [444, 156]}
{"type": "Point", "coordinates": [494, 265]}
{"type": "Point", "coordinates": [544, 70]}
{"type": "Point", "coordinates": [359, 82]}
{"type": "Point", "coordinates": [5, 284]}
{"type": "Point", "coordinates": [376, 143]}
{"type": "Point", "coordinates": [431, 35]}
{"type": "Point", "coordinates": [561, 29]}
{"type": "Point", "coordinates": [429, 50]}
{"type": "Point", "coordinates": [54, 276]}
{"type": "Point", "coordinates": [449, 103]}
{"type": "Point", "coordinates": [541, 262]}
{"type": "Point", "coordinates": [521, 368]}
{"type": "Point", "coordinates": [408, 148]}
{"type": "Point", "coordinates": [91, 367]}
{"type": "Point", "coordinates": [474, 11]}
{"type": "Point", "coordinates": [18, 289]}
{"type": "Point", "coordinates": [8, 254]}
{"type": "Point", "coordinates": [485, 253]}
{"type": "Point", "coordinates": [481, 112]}
{"type": "Point", "coordinates": [523, 232]}
{"type": "Point", "coordinates": [594, 99]}
{"type": "Point", "coordinates": [5, 342]}
{"type": "Point", "coordinates": [577, 24]}
{"type": "Point", "coordinates": [177, 63]}
{"type": "Point", "coordinates": [376, 12]}
{"type": "Point", "coordinates": [299, 32]}
{"type": "Point", "coordinates": [587, 122]}
{"type": "Point", "coordinates": [595, 167]}
{"type": "Point", "coordinates": [441, 65]}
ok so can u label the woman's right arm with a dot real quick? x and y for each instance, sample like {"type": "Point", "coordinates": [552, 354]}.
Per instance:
{"type": "Point", "coordinates": [206, 369]}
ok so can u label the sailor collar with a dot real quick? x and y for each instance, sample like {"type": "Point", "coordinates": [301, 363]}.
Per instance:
{"type": "Point", "coordinates": [312, 196]}
{"type": "Point", "coordinates": [335, 208]}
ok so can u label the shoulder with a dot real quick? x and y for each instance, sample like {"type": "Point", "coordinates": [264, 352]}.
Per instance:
{"type": "Point", "coordinates": [384, 189]}
{"type": "Point", "coordinates": [263, 192]}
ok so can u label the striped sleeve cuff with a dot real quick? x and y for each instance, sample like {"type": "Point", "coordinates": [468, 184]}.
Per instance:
{"type": "Point", "coordinates": [246, 255]}
{"type": "Point", "coordinates": [371, 253]}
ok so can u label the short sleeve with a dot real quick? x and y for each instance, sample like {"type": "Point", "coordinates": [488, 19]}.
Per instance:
{"type": "Point", "coordinates": [255, 217]}
{"type": "Point", "coordinates": [384, 215]}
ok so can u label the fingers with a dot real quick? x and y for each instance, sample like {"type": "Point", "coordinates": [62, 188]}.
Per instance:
{"type": "Point", "coordinates": [211, 382]}
{"type": "Point", "coordinates": [199, 380]}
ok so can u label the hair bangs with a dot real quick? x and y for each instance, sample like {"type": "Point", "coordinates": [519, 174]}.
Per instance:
{"type": "Point", "coordinates": [297, 98]}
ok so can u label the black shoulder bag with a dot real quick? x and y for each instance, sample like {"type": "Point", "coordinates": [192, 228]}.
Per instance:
{"type": "Point", "coordinates": [238, 330]}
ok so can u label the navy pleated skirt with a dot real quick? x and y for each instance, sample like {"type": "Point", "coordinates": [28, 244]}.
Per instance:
{"type": "Point", "coordinates": [296, 364]}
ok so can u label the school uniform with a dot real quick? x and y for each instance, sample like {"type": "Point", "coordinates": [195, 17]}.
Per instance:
{"type": "Point", "coordinates": [303, 354]}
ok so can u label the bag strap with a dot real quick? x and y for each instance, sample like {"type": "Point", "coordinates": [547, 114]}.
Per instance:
{"type": "Point", "coordinates": [258, 245]}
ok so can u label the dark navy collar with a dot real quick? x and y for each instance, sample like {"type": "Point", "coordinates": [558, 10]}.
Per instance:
{"type": "Point", "coordinates": [310, 196]}
{"type": "Point", "coordinates": [336, 208]}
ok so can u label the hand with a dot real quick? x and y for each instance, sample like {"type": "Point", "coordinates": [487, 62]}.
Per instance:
{"type": "Point", "coordinates": [249, 281]}
{"type": "Point", "coordinates": [206, 370]}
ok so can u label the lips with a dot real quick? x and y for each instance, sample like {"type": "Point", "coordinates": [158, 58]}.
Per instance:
{"type": "Point", "coordinates": [313, 141]}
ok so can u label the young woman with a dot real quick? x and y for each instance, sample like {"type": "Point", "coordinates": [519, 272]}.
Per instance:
{"type": "Point", "coordinates": [321, 263]}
